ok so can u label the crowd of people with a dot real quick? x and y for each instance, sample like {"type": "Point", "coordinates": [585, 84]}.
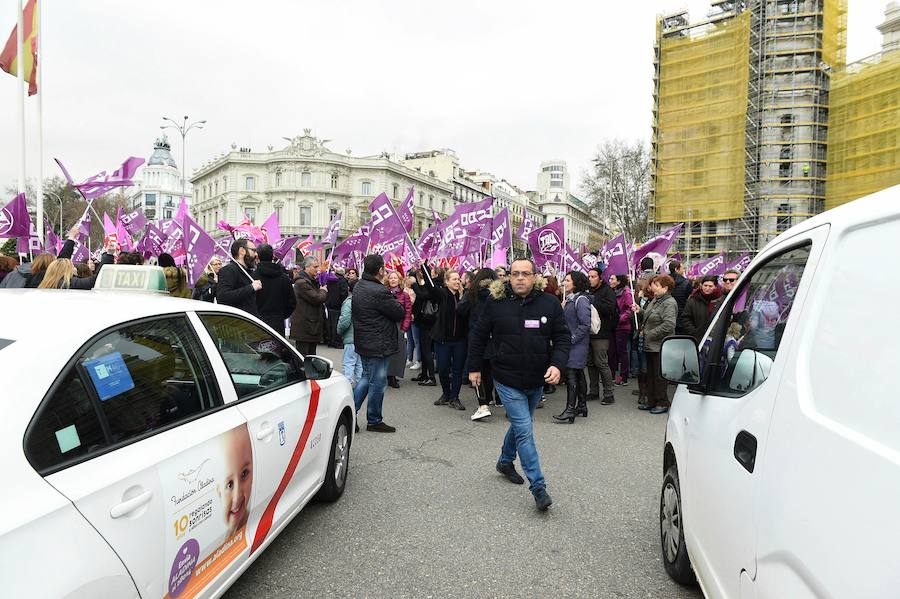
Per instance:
{"type": "Point", "coordinates": [512, 336]}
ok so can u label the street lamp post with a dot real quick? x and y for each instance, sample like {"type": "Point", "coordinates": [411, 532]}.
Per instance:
{"type": "Point", "coordinates": [58, 199]}
{"type": "Point", "coordinates": [183, 129]}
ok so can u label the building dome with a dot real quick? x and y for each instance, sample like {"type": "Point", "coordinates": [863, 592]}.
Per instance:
{"type": "Point", "coordinates": [161, 154]}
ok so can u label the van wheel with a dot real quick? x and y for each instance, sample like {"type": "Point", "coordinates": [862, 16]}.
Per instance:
{"type": "Point", "coordinates": [671, 531]}
{"type": "Point", "coordinates": [338, 464]}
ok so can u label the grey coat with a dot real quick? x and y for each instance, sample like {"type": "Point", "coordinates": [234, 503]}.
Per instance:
{"type": "Point", "coordinates": [578, 319]}
{"type": "Point", "coordinates": [659, 321]}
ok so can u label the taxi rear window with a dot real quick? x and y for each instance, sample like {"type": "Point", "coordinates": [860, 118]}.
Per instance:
{"type": "Point", "coordinates": [5, 343]}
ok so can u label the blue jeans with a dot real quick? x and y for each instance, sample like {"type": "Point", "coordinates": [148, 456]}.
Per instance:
{"type": "Point", "coordinates": [413, 351]}
{"type": "Point", "coordinates": [374, 380]}
{"type": "Point", "coordinates": [352, 364]}
{"type": "Point", "coordinates": [520, 405]}
{"type": "Point", "coordinates": [451, 359]}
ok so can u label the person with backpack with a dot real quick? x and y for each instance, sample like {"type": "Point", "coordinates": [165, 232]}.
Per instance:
{"type": "Point", "coordinates": [577, 310]}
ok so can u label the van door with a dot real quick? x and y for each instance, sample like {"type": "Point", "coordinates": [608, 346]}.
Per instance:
{"type": "Point", "coordinates": [727, 428]}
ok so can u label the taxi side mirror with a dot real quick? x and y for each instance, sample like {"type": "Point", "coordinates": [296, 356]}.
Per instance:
{"type": "Point", "coordinates": [317, 368]}
{"type": "Point", "coordinates": [680, 361]}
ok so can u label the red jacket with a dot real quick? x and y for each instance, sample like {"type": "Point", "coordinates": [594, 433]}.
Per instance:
{"type": "Point", "coordinates": [404, 300]}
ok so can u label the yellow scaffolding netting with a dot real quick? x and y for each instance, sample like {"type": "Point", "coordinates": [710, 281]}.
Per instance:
{"type": "Point", "coordinates": [701, 113]}
{"type": "Point", "coordinates": [863, 129]}
{"type": "Point", "coordinates": [834, 33]}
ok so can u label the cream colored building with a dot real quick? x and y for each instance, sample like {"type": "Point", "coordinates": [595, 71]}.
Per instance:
{"type": "Point", "coordinates": [306, 183]}
{"type": "Point", "coordinates": [157, 188]}
{"type": "Point", "coordinates": [556, 201]}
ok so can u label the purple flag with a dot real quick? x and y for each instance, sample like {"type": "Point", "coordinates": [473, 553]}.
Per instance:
{"type": "Point", "coordinates": [741, 263]}
{"type": "Point", "coordinates": [547, 243]}
{"type": "Point", "coordinates": [30, 244]}
{"type": "Point", "coordinates": [387, 233]}
{"type": "Point", "coordinates": [573, 262]}
{"type": "Point", "coordinates": [501, 238]}
{"type": "Point", "coordinates": [465, 231]}
{"type": "Point", "coordinates": [134, 223]}
{"type": "Point", "coordinates": [53, 242]}
{"type": "Point", "coordinates": [80, 253]}
{"type": "Point", "coordinates": [428, 242]}
{"type": "Point", "coordinates": [658, 245]}
{"type": "Point", "coordinates": [358, 242]}
{"type": "Point", "coordinates": [182, 210]}
{"type": "Point", "coordinates": [615, 256]}
{"type": "Point", "coordinates": [199, 248]}
{"type": "Point", "coordinates": [434, 215]}
{"type": "Point", "coordinates": [84, 225]}
{"type": "Point", "coordinates": [223, 247]}
{"type": "Point", "coordinates": [334, 227]}
{"type": "Point", "coordinates": [108, 227]}
{"type": "Point", "coordinates": [284, 246]}
{"type": "Point", "coordinates": [271, 231]}
{"type": "Point", "coordinates": [713, 266]}
{"type": "Point", "coordinates": [14, 219]}
{"type": "Point", "coordinates": [525, 228]}
{"type": "Point", "coordinates": [97, 185]}
{"type": "Point", "coordinates": [405, 211]}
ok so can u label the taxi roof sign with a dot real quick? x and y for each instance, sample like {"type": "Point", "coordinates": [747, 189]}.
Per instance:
{"type": "Point", "coordinates": [127, 277]}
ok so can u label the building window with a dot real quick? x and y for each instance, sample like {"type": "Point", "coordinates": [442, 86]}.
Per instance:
{"type": "Point", "coordinates": [711, 229]}
{"type": "Point", "coordinates": [783, 222]}
{"type": "Point", "coordinates": [444, 206]}
{"type": "Point", "coordinates": [170, 203]}
{"type": "Point", "coordinates": [555, 183]}
{"type": "Point", "coordinates": [334, 181]}
{"type": "Point", "coordinates": [396, 190]}
{"type": "Point", "coordinates": [168, 214]}
{"type": "Point", "coordinates": [431, 202]}
{"type": "Point", "coordinates": [332, 212]}
{"type": "Point", "coordinates": [305, 179]}
{"type": "Point", "coordinates": [305, 216]}
{"type": "Point", "coordinates": [277, 178]}
{"type": "Point", "coordinates": [367, 188]}
{"type": "Point", "coordinates": [217, 188]}
{"type": "Point", "coordinates": [249, 183]}
{"type": "Point", "coordinates": [251, 214]}
{"type": "Point", "coordinates": [149, 199]}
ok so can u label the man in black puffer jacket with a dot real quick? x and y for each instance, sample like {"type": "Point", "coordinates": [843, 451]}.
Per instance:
{"type": "Point", "coordinates": [603, 298]}
{"type": "Point", "coordinates": [375, 314]}
{"type": "Point", "coordinates": [681, 292]}
{"type": "Point", "coordinates": [276, 300]}
{"type": "Point", "coordinates": [530, 343]}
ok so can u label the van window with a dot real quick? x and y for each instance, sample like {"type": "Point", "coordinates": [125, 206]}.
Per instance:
{"type": "Point", "coordinates": [256, 359]}
{"type": "Point", "coordinates": [854, 363]}
{"type": "Point", "coordinates": [757, 315]}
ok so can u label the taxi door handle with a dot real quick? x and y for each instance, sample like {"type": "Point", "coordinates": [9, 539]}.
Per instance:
{"type": "Point", "coordinates": [126, 507]}
{"type": "Point", "coordinates": [265, 432]}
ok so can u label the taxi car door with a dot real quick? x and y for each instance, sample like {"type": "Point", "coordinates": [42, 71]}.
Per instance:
{"type": "Point", "coordinates": [282, 409]}
{"type": "Point", "coordinates": [727, 427]}
{"type": "Point", "coordinates": [175, 456]}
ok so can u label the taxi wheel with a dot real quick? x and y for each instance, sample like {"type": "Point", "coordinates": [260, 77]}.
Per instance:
{"type": "Point", "coordinates": [671, 531]}
{"type": "Point", "coordinates": [338, 464]}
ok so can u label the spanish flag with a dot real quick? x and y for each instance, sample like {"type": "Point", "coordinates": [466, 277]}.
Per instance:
{"type": "Point", "coordinates": [10, 63]}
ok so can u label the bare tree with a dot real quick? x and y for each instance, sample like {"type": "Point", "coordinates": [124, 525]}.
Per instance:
{"type": "Point", "coordinates": [618, 185]}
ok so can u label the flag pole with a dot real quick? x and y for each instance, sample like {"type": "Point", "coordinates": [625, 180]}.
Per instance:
{"type": "Point", "coordinates": [38, 64]}
{"type": "Point", "coordinates": [21, 91]}
{"type": "Point", "coordinates": [631, 272]}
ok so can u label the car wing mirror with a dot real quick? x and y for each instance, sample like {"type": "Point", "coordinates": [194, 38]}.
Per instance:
{"type": "Point", "coordinates": [317, 368]}
{"type": "Point", "coordinates": [680, 360]}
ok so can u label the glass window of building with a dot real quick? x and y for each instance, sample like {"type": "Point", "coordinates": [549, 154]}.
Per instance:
{"type": "Point", "coordinates": [396, 190]}
{"type": "Point", "coordinates": [250, 183]}
{"type": "Point", "coordinates": [334, 181]}
{"type": "Point", "coordinates": [251, 214]}
{"type": "Point", "coordinates": [277, 178]}
{"type": "Point", "coordinates": [366, 188]}
{"type": "Point", "coordinates": [431, 201]}
{"type": "Point", "coordinates": [332, 212]}
{"type": "Point", "coordinates": [305, 216]}
{"type": "Point", "coordinates": [305, 179]}
{"type": "Point", "coordinates": [149, 199]}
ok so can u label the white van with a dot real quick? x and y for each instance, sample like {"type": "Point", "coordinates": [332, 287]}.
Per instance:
{"type": "Point", "coordinates": [782, 455]}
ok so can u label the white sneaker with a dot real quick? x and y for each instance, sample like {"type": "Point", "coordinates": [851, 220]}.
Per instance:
{"type": "Point", "coordinates": [415, 366]}
{"type": "Point", "coordinates": [481, 412]}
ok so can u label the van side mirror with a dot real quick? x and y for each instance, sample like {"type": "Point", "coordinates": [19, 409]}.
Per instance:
{"type": "Point", "coordinates": [680, 360]}
{"type": "Point", "coordinates": [317, 368]}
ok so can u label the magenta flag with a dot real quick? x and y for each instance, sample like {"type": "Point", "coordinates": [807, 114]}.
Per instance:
{"type": "Point", "coordinates": [386, 231]}
{"type": "Point", "coordinates": [741, 263]}
{"type": "Point", "coordinates": [108, 227]}
{"type": "Point", "coordinates": [14, 219]}
{"type": "Point", "coordinates": [658, 245]}
{"type": "Point", "coordinates": [615, 256]}
{"type": "Point", "coordinates": [428, 242]}
{"type": "Point", "coordinates": [713, 266]}
{"type": "Point", "coordinates": [84, 225]}
{"type": "Point", "coordinates": [435, 217]}
{"type": "Point", "coordinates": [547, 243]}
{"type": "Point", "coordinates": [501, 238]}
{"type": "Point", "coordinates": [223, 247]}
{"type": "Point", "coordinates": [199, 248]}
{"type": "Point", "coordinates": [31, 243]}
{"type": "Point", "coordinates": [465, 231]}
{"type": "Point", "coordinates": [283, 247]}
{"type": "Point", "coordinates": [271, 231]}
{"type": "Point", "coordinates": [334, 227]}
{"type": "Point", "coordinates": [525, 228]}
{"type": "Point", "coordinates": [358, 242]}
{"type": "Point", "coordinates": [134, 223]}
{"type": "Point", "coordinates": [99, 184]}
{"type": "Point", "coordinates": [405, 210]}
{"type": "Point", "coordinates": [182, 210]}
{"type": "Point", "coordinates": [573, 262]}
{"type": "Point", "coordinates": [80, 253]}
{"type": "Point", "coordinates": [53, 242]}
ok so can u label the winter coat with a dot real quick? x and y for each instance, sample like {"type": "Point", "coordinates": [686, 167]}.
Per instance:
{"type": "Point", "coordinates": [659, 321]}
{"type": "Point", "coordinates": [405, 301]}
{"type": "Point", "coordinates": [681, 292]}
{"type": "Point", "coordinates": [375, 314]}
{"type": "Point", "coordinates": [308, 318]}
{"type": "Point", "coordinates": [338, 290]}
{"type": "Point", "coordinates": [527, 336]}
{"type": "Point", "coordinates": [450, 325]}
{"type": "Point", "coordinates": [473, 311]}
{"type": "Point", "coordinates": [698, 313]}
{"type": "Point", "coordinates": [578, 318]}
{"type": "Point", "coordinates": [234, 288]}
{"type": "Point", "coordinates": [205, 289]}
{"type": "Point", "coordinates": [18, 278]}
{"type": "Point", "coordinates": [175, 285]}
{"type": "Point", "coordinates": [604, 300]}
{"type": "Point", "coordinates": [345, 322]}
{"type": "Point", "coordinates": [276, 300]}
{"type": "Point", "coordinates": [624, 301]}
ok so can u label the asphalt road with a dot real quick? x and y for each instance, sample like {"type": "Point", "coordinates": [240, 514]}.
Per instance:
{"type": "Point", "coordinates": [426, 515]}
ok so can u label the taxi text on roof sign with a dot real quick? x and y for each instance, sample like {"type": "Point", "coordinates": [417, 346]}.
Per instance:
{"type": "Point", "coordinates": [121, 277]}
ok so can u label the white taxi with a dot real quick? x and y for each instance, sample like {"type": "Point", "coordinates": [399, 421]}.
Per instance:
{"type": "Point", "coordinates": [151, 446]}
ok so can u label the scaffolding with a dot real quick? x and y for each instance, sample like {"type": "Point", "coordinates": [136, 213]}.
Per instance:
{"type": "Point", "coordinates": [701, 112]}
{"type": "Point", "coordinates": [864, 129]}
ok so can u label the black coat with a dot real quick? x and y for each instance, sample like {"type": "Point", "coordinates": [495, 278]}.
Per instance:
{"type": "Point", "coordinates": [308, 319]}
{"type": "Point", "coordinates": [681, 292]}
{"type": "Point", "coordinates": [604, 301]}
{"type": "Point", "coordinates": [375, 314]}
{"type": "Point", "coordinates": [234, 289]}
{"type": "Point", "coordinates": [205, 289]}
{"type": "Point", "coordinates": [276, 300]}
{"type": "Point", "coordinates": [474, 311]}
{"type": "Point", "coordinates": [337, 292]}
{"type": "Point", "coordinates": [450, 325]}
{"type": "Point", "coordinates": [527, 336]}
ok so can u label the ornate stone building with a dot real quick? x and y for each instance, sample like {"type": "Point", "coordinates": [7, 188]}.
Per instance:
{"type": "Point", "coordinates": [157, 189]}
{"type": "Point", "coordinates": [306, 183]}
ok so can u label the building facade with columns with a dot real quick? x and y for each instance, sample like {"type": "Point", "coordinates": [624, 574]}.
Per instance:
{"type": "Point", "coordinates": [306, 184]}
{"type": "Point", "coordinates": [555, 201]}
{"type": "Point", "coordinates": [157, 189]}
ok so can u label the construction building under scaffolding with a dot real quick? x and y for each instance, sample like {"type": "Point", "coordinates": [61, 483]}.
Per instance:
{"type": "Point", "coordinates": [740, 120]}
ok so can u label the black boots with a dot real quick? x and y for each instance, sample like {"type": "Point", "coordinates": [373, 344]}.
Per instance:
{"type": "Point", "coordinates": [576, 396]}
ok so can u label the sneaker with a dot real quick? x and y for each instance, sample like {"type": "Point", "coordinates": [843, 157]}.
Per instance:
{"type": "Point", "coordinates": [428, 383]}
{"type": "Point", "coordinates": [509, 471]}
{"type": "Point", "coordinates": [441, 401]}
{"type": "Point", "coordinates": [542, 499]}
{"type": "Point", "coordinates": [381, 427]}
{"type": "Point", "coordinates": [415, 366]}
{"type": "Point", "coordinates": [481, 412]}
{"type": "Point", "coordinates": [645, 406]}
{"type": "Point", "coordinates": [456, 404]}
{"type": "Point", "coordinates": [408, 364]}
{"type": "Point", "coordinates": [608, 400]}
{"type": "Point", "coordinates": [659, 410]}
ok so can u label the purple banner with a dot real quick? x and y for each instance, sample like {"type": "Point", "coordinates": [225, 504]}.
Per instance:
{"type": "Point", "coordinates": [14, 219]}
{"type": "Point", "coordinates": [614, 254]}
{"type": "Point", "coordinates": [199, 248]}
{"type": "Point", "coordinates": [386, 231]}
{"type": "Point", "coordinates": [270, 230]}
{"type": "Point", "coordinates": [466, 229]}
{"type": "Point", "coordinates": [405, 211]}
{"type": "Point", "coordinates": [547, 243]}
{"type": "Point", "coordinates": [573, 262]}
{"type": "Point", "coordinates": [658, 245]}
{"type": "Point", "coordinates": [135, 222]}
{"type": "Point", "coordinates": [334, 228]}
{"type": "Point", "coordinates": [99, 184]}
{"type": "Point", "coordinates": [713, 266]}
{"type": "Point", "coordinates": [525, 228]}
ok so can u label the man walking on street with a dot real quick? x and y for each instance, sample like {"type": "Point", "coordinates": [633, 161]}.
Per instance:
{"type": "Point", "coordinates": [237, 284]}
{"type": "Point", "coordinates": [603, 299]}
{"type": "Point", "coordinates": [374, 314]}
{"type": "Point", "coordinates": [276, 300]}
{"type": "Point", "coordinates": [308, 319]}
{"type": "Point", "coordinates": [530, 341]}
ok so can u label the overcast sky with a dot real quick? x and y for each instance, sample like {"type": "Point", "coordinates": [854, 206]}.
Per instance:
{"type": "Point", "coordinates": [506, 84]}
